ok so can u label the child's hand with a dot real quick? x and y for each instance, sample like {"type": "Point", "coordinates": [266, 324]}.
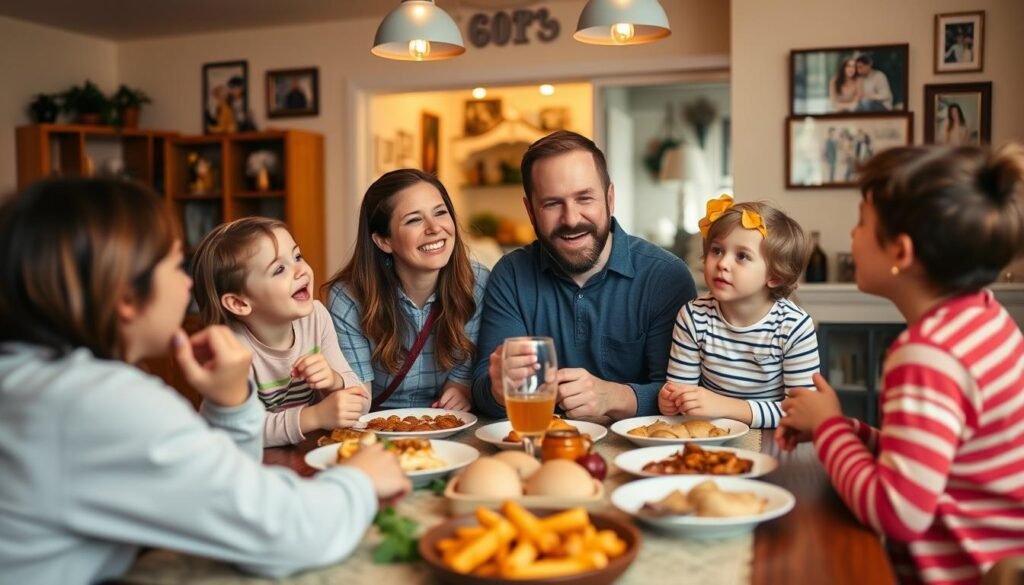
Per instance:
{"type": "Point", "coordinates": [454, 397]}
{"type": "Point", "coordinates": [389, 481]}
{"type": "Point", "coordinates": [315, 370]}
{"type": "Point", "coordinates": [787, 439]}
{"type": "Point", "coordinates": [806, 409]}
{"type": "Point", "coordinates": [340, 409]}
{"type": "Point", "coordinates": [698, 401]}
{"type": "Point", "coordinates": [667, 399]}
{"type": "Point", "coordinates": [215, 363]}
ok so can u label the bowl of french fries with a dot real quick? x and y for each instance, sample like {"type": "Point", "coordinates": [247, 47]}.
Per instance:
{"type": "Point", "coordinates": [566, 547]}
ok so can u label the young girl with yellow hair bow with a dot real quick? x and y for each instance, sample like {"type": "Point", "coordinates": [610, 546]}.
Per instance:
{"type": "Point", "coordinates": [738, 349]}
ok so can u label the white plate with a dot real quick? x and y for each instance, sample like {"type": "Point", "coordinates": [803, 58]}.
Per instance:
{"type": "Point", "coordinates": [495, 432]}
{"type": "Point", "coordinates": [456, 455]}
{"type": "Point", "coordinates": [631, 497]}
{"type": "Point", "coordinates": [621, 428]}
{"type": "Point", "coordinates": [467, 419]}
{"type": "Point", "coordinates": [634, 461]}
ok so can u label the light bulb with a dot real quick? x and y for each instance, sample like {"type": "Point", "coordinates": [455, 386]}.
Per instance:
{"type": "Point", "coordinates": [419, 49]}
{"type": "Point", "coordinates": [547, 89]}
{"type": "Point", "coordinates": [623, 32]}
{"type": "Point", "coordinates": [479, 93]}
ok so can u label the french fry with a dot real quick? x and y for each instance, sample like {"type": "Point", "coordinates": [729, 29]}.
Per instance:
{"type": "Point", "coordinates": [548, 568]}
{"type": "Point", "coordinates": [572, 544]}
{"type": "Point", "coordinates": [480, 549]}
{"type": "Point", "coordinates": [610, 543]}
{"type": "Point", "coordinates": [595, 558]}
{"type": "Point", "coordinates": [487, 518]}
{"type": "Point", "coordinates": [530, 526]}
{"type": "Point", "coordinates": [523, 554]}
{"type": "Point", "coordinates": [469, 531]}
{"type": "Point", "coordinates": [567, 521]}
{"type": "Point", "coordinates": [487, 570]}
{"type": "Point", "coordinates": [447, 544]}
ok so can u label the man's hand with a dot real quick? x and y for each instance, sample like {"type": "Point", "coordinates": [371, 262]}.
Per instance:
{"type": "Point", "coordinates": [581, 394]}
{"type": "Point", "coordinates": [520, 364]}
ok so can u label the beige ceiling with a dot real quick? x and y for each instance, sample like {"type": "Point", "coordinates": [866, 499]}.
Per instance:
{"type": "Point", "coordinates": [134, 19]}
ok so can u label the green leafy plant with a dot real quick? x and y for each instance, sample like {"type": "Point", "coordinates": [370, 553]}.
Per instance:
{"type": "Point", "coordinates": [398, 537]}
{"type": "Point", "coordinates": [126, 97]}
{"type": "Point", "coordinates": [86, 99]}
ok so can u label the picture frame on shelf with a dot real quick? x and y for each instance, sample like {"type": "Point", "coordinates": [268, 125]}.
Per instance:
{"type": "Point", "coordinates": [824, 151]}
{"type": "Point", "coordinates": [481, 116]}
{"type": "Point", "coordinates": [293, 93]}
{"type": "Point", "coordinates": [225, 99]}
{"type": "Point", "coordinates": [868, 79]}
{"type": "Point", "coordinates": [960, 42]}
{"type": "Point", "coordinates": [958, 113]}
{"type": "Point", "coordinates": [555, 118]}
{"type": "Point", "coordinates": [430, 143]}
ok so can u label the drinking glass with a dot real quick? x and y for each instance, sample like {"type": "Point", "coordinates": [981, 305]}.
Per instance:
{"type": "Point", "coordinates": [529, 373]}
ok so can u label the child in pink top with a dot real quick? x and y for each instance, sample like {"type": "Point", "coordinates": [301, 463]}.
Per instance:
{"type": "Point", "coordinates": [251, 275]}
{"type": "Point", "coordinates": [943, 479]}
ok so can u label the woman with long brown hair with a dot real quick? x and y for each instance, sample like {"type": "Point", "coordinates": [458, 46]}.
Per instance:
{"type": "Point", "coordinates": [407, 305]}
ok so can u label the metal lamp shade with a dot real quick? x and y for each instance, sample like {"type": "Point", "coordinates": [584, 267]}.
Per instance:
{"type": "Point", "coordinates": [418, 20]}
{"type": "Point", "coordinates": [647, 17]}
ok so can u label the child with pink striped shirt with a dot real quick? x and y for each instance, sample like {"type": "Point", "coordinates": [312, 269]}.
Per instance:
{"type": "Point", "coordinates": [943, 478]}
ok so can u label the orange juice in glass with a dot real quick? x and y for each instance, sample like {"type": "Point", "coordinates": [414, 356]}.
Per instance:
{"type": "Point", "coordinates": [529, 371]}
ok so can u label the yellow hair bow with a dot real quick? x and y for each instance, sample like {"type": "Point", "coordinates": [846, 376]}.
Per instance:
{"type": "Point", "coordinates": [750, 220]}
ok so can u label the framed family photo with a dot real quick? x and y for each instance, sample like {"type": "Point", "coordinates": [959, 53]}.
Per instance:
{"type": "Point", "coordinates": [430, 142]}
{"type": "Point", "coordinates": [825, 151]}
{"type": "Point", "coordinates": [293, 92]}
{"type": "Point", "coordinates": [845, 80]}
{"type": "Point", "coordinates": [481, 116]}
{"type": "Point", "coordinates": [225, 96]}
{"type": "Point", "coordinates": [959, 42]}
{"type": "Point", "coordinates": [958, 113]}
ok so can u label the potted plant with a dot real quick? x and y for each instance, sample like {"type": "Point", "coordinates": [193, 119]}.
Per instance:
{"type": "Point", "coordinates": [44, 108]}
{"type": "Point", "coordinates": [87, 103]}
{"type": "Point", "coordinates": [128, 101]}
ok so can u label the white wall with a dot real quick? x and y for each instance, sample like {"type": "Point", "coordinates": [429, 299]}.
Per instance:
{"type": "Point", "coordinates": [36, 59]}
{"type": "Point", "coordinates": [169, 70]}
{"type": "Point", "coordinates": [763, 33]}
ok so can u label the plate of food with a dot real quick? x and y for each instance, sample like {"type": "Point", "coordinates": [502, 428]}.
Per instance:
{"type": "Point", "coordinates": [567, 547]}
{"type": "Point", "coordinates": [702, 507]}
{"type": "Point", "coordinates": [501, 435]}
{"type": "Point", "coordinates": [422, 459]}
{"type": "Point", "coordinates": [514, 475]}
{"type": "Point", "coordinates": [693, 459]}
{"type": "Point", "coordinates": [661, 430]}
{"type": "Point", "coordinates": [427, 423]}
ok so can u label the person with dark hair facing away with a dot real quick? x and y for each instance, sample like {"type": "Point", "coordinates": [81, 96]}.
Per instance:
{"type": "Point", "coordinates": [943, 477]}
{"type": "Point", "coordinates": [608, 299]}
{"type": "Point", "coordinates": [100, 458]}
{"type": "Point", "coordinates": [406, 307]}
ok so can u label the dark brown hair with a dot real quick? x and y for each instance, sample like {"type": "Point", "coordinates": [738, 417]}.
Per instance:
{"type": "Point", "coordinates": [960, 206]}
{"type": "Point", "coordinates": [70, 249]}
{"type": "Point", "coordinates": [786, 248]}
{"type": "Point", "coordinates": [372, 281]}
{"type": "Point", "coordinates": [558, 143]}
{"type": "Point", "coordinates": [219, 264]}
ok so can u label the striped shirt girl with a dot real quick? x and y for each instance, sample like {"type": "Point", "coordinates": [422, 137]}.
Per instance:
{"type": "Point", "coordinates": [757, 363]}
{"type": "Point", "coordinates": [944, 477]}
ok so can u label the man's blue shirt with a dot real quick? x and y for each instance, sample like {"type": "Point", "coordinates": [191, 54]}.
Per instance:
{"type": "Point", "coordinates": [618, 326]}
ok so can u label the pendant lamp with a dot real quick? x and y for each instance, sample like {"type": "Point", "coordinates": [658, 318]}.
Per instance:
{"type": "Point", "coordinates": [622, 22]}
{"type": "Point", "coordinates": [418, 31]}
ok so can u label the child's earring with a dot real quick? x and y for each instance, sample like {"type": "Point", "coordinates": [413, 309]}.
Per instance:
{"type": "Point", "coordinates": [895, 270]}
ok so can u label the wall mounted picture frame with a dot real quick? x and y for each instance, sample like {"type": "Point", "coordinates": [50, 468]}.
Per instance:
{"type": "Point", "coordinates": [481, 116]}
{"type": "Point", "coordinates": [293, 92]}
{"type": "Point", "coordinates": [555, 118]}
{"type": "Point", "coordinates": [958, 113]}
{"type": "Point", "coordinates": [869, 79]}
{"type": "Point", "coordinates": [225, 99]}
{"type": "Point", "coordinates": [383, 154]}
{"type": "Point", "coordinates": [824, 151]}
{"type": "Point", "coordinates": [430, 143]}
{"type": "Point", "coordinates": [960, 42]}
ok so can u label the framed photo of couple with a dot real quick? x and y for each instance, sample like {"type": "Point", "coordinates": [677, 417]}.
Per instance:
{"type": "Point", "coordinates": [848, 80]}
{"type": "Point", "coordinates": [825, 151]}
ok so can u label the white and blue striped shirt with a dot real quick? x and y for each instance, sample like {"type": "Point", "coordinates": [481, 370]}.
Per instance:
{"type": "Point", "coordinates": [758, 363]}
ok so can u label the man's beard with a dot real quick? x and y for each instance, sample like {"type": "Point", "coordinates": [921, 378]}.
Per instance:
{"type": "Point", "coordinates": [583, 260]}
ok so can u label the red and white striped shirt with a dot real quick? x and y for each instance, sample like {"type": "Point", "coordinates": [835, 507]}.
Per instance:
{"type": "Point", "coordinates": [944, 477]}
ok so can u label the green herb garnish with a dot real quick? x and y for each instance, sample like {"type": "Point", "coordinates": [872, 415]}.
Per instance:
{"type": "Point", "coordinates": [398, 539]}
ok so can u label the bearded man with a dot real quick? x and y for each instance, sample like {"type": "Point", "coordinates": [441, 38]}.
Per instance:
{"type": "Point", "coordinates": [608, 299]}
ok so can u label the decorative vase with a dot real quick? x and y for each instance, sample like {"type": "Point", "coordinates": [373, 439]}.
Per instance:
{"type": "Point", "coordinates": [89, 119]}
{"type": "Point", "coordinates": [130, 118]}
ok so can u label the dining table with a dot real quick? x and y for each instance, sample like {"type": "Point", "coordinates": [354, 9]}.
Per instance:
{"type": "Point", "coordinates": [818, 541]}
